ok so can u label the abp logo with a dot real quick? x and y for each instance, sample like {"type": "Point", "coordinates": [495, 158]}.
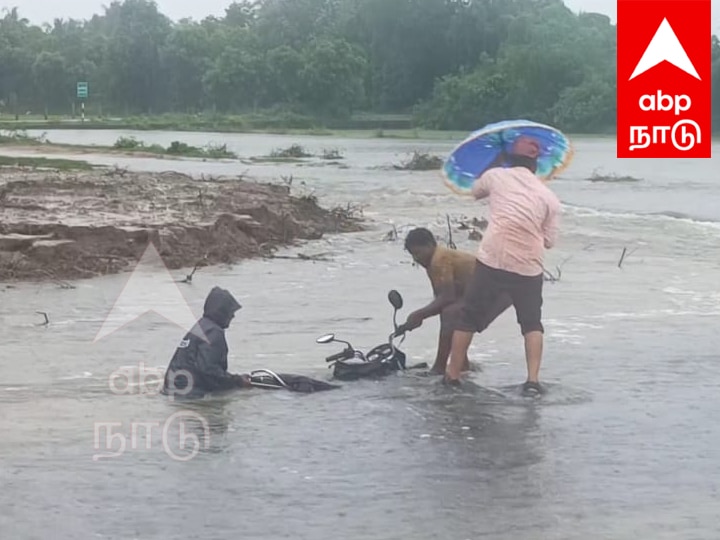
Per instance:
{"type": "Point", "coordinates": [664, 98]}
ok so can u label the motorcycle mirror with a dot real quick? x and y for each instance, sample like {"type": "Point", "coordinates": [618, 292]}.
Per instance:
{"type": "Point", "coordinates": [395, 299]}
{"type": "Point", "coordinates": [327, 338]}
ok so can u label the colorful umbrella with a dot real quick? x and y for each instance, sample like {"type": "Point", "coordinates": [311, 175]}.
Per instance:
{"type": "Point", "coordinates": [484, 148]}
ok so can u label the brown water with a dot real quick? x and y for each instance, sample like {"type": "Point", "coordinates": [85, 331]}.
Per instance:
{"type": "Point", "coordinates": [622, 446]}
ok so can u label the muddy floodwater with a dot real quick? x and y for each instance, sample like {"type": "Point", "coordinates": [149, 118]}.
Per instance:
{"type": "Point", "coordinates": [623, 446]}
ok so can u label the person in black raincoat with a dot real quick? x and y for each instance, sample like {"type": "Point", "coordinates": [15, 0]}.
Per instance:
{"type": "Point", "coordinates": [199, 364]}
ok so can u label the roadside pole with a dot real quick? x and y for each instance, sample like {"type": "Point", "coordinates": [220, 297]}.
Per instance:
{"type": "Point", "coordinates": [82, 94]}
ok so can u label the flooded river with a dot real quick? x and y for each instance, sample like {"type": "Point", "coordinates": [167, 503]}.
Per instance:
{"type": "Point", "coordinates": [623, 446]}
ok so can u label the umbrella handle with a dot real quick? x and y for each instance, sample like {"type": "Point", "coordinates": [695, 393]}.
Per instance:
{"type": "Point", "coordinates": [499, 160]}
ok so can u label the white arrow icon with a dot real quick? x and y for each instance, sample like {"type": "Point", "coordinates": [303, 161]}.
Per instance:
{"type": "Point", "coordinates": [665, 45]}
{"type": "Point", "coordinates": [150, 288]}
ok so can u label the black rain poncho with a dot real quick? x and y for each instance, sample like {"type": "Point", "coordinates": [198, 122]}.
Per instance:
{"type": "Point", "coordinates": [199, 364]}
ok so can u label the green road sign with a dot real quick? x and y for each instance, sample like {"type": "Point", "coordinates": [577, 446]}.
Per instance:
{"type": "Point", "coordinates": [82, 90]}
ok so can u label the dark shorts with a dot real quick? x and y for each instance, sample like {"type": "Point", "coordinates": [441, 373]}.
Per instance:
{"type": "Point", "coordinates": [453, 316]}
{"type": "Point", "coordinates": [490, 289]}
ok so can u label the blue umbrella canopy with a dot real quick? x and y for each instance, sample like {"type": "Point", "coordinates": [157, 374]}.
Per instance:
{"type": "Point", "coordinates": [486, 146]}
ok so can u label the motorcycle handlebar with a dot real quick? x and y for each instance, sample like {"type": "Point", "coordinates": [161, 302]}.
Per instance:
{"type": "Point", "coordinates": [342, 355]}
{"type": "Point", "coordinates": [349, 352]}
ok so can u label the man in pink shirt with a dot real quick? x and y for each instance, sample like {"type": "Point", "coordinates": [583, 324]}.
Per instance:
{"type": "Point", "coordinates": [524, 216]}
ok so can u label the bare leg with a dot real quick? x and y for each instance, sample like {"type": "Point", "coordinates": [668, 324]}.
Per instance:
{"type": "Point", "coordinates": [443, 353]}
{"type": "Point", "coordinates": [458, 355]}
{"type": "Point", "coordinates": [533, 354]}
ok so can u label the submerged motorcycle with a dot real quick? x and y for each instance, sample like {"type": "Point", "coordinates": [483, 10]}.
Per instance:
{"type": "Point", "coordinates": [269, 380]}
{"type": "Point", "coordinates": [351, 364]}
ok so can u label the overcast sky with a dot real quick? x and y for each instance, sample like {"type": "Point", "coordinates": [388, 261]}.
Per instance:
{"type": "Point", "coordinates": [39, 11]}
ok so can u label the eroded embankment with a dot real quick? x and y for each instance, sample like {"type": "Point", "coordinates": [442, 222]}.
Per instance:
{"type": "Point", "coordinates": [74, 225]}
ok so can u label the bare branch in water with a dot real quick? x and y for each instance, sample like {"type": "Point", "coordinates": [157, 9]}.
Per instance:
{"type": "Point", "coordinates": [47, 319]}
{"type": "Point", "coordinates": [622, 257]}
{"type": "Point", "coordinates": [450, 242]}
{"type": "Point", "coordinates": [625, 254]}
{"type": "Point", "coordinates": [549, 276]}
{"type": "Point", "coordinates": [188, 278]}
{"type": "Point", "coordinates": [392, 235]}
{"type": "Point", "coordinates": [62, 284]}
{"type": "Point", "coordinates": [320, 257]}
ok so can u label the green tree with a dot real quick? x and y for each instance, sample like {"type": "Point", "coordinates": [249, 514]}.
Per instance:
{"type": "Point", "coordinates": [132, 65]}
{"type": "Point", "coordinates": [20, 44]}
{"type": "Point", "coordinates": [52, 80]}
{"type": "Point", "coordinates": [589, 107]}
{"type": "Point", "coordinates": [332, 77]}
{"type": "Point", "coordinates": [455, 63]}
{"type": "Point", "coordinates": [284, 84]}
{"type": "Point", "coordinates": [234, 82]}
{"type": "Point", "coordinates": [186, 57]}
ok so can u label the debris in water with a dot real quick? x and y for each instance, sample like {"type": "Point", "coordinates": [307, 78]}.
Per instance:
{"type": "Point", "coordinates": [554, 278]}
{"type": "Point", "coordinates": [625, 255]}
{"type": "Point", "coordinates": [450, 242]}
{"type": "Point", "coordinates": [188, 278]}
{"type": "Point", "coordinates": [421, 161]}
{"type": "Point", "coordinates": [612, 178]}
{"type": "Point", "coordinates": [301, 257]}
{"type": "Point", "coordinates": [392, 235]}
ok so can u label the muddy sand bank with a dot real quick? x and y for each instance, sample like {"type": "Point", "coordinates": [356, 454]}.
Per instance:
{"type": "Point", "coordinates": [64, 226]}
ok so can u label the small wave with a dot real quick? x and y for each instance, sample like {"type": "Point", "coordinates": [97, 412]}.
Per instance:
{"type": "Point", "coordinates": [681, 215]}
{"type": "Point", "coordinates": [555, 394]}
{"type": "Point", "coordinates": [505, 396]}
{"type": "Point", "coordinates": [705, 295]}
{"type": "Point", "coordinates": [85, 375]}
{"type": "Point", "coordinates": [653, 314]}
{"type": "Point", "coordinates": [584, 211]}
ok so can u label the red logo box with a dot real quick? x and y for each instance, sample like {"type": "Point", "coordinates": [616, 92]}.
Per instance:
{"type": "Point", "coordinates": [664, 97]}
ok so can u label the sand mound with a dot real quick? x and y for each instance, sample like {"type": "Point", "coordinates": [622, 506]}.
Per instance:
{"type": "Point", "coordinates": [67, 226]}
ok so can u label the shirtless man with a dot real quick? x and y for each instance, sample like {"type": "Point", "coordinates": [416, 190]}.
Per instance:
{"type": "Point", "coordinates": [449, 272]}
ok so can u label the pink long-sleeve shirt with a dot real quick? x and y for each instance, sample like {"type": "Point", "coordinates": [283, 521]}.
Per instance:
{"type": "Point", "coordinates": [524, 219]}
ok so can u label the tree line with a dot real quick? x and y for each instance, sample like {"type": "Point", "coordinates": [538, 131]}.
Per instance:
{"type": "Point", "coordinates": [451, 64]}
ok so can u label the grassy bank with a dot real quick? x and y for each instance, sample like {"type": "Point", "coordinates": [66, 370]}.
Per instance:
{"type": "Point", "coordinates": [45, 163]}
{"type": "Point", "coordinates": [359, 127]}
{"type": "Point", "coordinates": [367, 126]}
{"type": "Point", "coordinates": [268, 120]}
{"type": "Point", "coordinates": [176, 148]}
{"type": "Point", "coordinates": [124, 145]}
